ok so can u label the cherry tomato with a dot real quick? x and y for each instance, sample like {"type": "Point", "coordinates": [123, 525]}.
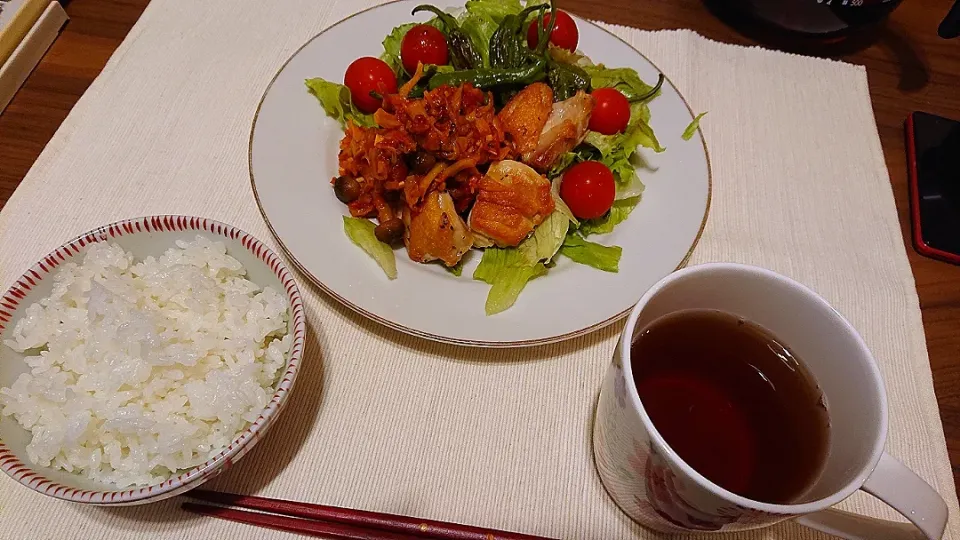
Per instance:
{"type": "Point", "coordinates": [565, 33]}
{"type": "Point", "coordinates": [369, 74]}
{"type": "Point", "coordinates": [611, 111]}
{"type": "Point", "coordinates": [423, 44]}
{"type": "Point", "coordinates": [588, 189]}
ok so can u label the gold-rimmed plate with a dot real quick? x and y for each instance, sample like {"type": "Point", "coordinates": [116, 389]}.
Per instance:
{"type": "Point", "coordinates": [293, 156]}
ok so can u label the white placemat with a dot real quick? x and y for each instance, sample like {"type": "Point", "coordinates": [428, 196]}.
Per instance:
{"type": "Point", "coordinates": [385, 422]}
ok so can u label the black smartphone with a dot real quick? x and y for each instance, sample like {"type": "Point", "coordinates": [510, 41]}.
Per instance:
{"type": "Point", "coordinates": [933, 159]}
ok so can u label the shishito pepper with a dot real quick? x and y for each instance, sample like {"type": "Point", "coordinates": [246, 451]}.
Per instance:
{"type": "Point", "coordinates": [486, 78]}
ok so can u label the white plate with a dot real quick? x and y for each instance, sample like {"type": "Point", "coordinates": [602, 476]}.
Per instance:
{"type": "Point", "coordinates": [293, 156]}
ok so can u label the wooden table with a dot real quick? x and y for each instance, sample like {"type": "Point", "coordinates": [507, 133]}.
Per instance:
{"type": "Point", "coordinates": [910, 69]}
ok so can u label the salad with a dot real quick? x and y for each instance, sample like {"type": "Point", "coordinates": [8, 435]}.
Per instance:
{"type": "Point", "coordinates": [488, 130]}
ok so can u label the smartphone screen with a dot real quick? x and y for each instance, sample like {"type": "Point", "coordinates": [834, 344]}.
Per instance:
{"type": "Point", "coordinates": [934, 147]}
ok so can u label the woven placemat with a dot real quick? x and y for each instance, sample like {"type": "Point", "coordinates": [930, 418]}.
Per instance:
{"type": "Point", "coordinates": [499, 438]}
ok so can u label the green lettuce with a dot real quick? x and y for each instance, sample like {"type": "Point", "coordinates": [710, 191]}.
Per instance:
{"type": "Point", "coordinates": [546, 239]}
{"type": "Point", "coordinates": [391, 47]}
{"type": "Point", "coordinates": [495, 10]}
{"type": "Point", "coordinates": [616, 151]}
{"type": "Point", "coordinates": [508, 271]}
{"type": "Point", "coordinates": [618, 214]}
{"type": "Point", "coordinates": [479, 28]}
{"type": "Point", "coordinates": [606, 258]}
{"type": "Point", "coordinates": [626, 80]}
{"type": "Point", "coordinates": [336, 102]}
{"type": "Point", "coordinates": [562, 207]}
{"type": "Point", "coordinates": [360, 231]}
{"type": "Point", "coordinates": [582, 152]}
{"type": "Point", "coordinates": [480, 20]}
{"type": "Point", "coordinates": [692, 128]}
{"type": "Point", "coordinates": [456, 270]}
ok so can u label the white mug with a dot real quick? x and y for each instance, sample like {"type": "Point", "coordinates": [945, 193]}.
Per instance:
{"type": "Point", "coordinates": [654, 487]}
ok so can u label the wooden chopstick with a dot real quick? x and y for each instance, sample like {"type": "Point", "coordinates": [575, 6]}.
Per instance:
{"type": "Point", "coordinates": [296, 525]}
{"type": "Point", "coordinates": [380, 523]}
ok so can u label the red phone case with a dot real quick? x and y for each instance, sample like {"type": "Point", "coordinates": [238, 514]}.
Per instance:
{"type": "Point", "coordinates": [912, 177]}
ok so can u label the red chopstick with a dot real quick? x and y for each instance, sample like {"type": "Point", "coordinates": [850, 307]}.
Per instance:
{"type": "Point", "coordinates": [296, 525]}
{"type": "Point", "coordinates": [319, 519]}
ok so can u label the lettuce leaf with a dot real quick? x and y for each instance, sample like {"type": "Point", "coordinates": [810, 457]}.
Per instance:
{"type": "Point", "coordinates": [508, 271]}
{"type": "Point", "coordinates": [546, 239]}
{"type": "Point", "coordinates": [456, 270]}
{"type": "Point", "coordinates": [495, 10]}
{"type": "Point", "coordinates": [618, 214]}
{"type": "Point", "coordinates": [480, 20]}
{"type": "Point", "coordinates": [606, 258]}
{"type": "Point", "coordinates": [336, 102]}
{"type": "Point", "coordinates": [360, 231]}
{"type": "Point", "coordinates": [582, 152]}
{"type": "Point", "coordinates": [391, 47]}
{"type": "Point", "coordinates": [562, 207]}
{"type": "Point", "coordinates": [616, 151]}
{"type": "Point", "coordinates": [626, 80]}
{"type": "Point", "coordinates": [692, 128]}
{"type": "Point", "coordinates": [479, 28]}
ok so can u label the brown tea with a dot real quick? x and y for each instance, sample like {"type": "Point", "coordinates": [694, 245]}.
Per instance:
{"type": "Point", "coordinates": [734, 403]}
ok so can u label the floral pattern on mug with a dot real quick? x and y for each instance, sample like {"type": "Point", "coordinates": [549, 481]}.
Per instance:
{"type": "Point", "coordinates": [664, 493]}
{"type": "Point", "coordinates": [620, 388]}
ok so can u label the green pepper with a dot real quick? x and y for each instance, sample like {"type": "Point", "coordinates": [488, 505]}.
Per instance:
{"type": "Point", "coordinates": [566, 80]}
{"type": "Point", "coordinates": [462, 53]}
{"type": "Point", "coordinates": [490, 77]}
{"type": "Point", "coordinates": [543, 34]}
{"type": "Point", "coordinates": [653, 91]}
{"type": "Point", "coordinates": [507, 46]}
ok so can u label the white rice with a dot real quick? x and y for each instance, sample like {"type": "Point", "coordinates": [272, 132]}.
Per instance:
{"type": "Point", "coordinates": [139, 370]}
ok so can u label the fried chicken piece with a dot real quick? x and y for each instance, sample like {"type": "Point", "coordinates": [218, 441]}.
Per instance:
{"type": "Point", "coordinates": [512, 199]}
{"type": "Point", "coordinates": [564, 129]}
{"type": "Point", "coordinates": [435, 230]}
{"type": "Point", "coordinates": [524, 116]}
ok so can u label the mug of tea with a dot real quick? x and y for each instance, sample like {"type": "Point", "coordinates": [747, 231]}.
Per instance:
{"type": "Point", "coordinates": [738, 398]}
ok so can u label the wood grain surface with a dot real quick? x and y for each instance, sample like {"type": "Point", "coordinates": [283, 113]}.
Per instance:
{"type": "Point", "coordinates": [908, 66]}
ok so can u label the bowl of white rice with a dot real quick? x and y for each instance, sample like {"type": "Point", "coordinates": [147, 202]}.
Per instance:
{"type": "Point", "coordinates": [143, 358]}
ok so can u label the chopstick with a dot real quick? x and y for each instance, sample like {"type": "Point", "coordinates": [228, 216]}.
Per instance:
{"type": "Point", "coordinates": [340, 523]}
{"type": "Point", "coordinates": [295, 525]}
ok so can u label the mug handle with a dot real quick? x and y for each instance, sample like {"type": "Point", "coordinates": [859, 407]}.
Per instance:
{"type": "Point", "coordinates": [893, 483]}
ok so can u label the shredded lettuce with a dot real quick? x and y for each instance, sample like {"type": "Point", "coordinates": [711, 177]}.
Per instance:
{"type": "Point", "coordinates": [508, 271]}
{"type": "Point", "coordinates": [692, 128]}
{"type": "Point", "coordinates": [606, 258]}
{"type": "Point", "coordinates": [626, 80]}
{"type": "Point", "coordinates": [618, 214]}
{"type": "Point", "coordinates": [336, 102]}
{"type": "Point", "coordinates": [360, 231]}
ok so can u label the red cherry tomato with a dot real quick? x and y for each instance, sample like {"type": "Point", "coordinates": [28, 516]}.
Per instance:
{"type": "Point", "coordinates": [423, 44]}
{"type": "Point", "coordinates": [565, 33]}
{"type": "Point", "coordinates": [611, 111]}
{"type": "Point", "coordinates": [369, 74]}
{"type": "Point", "coordinates": [588, 189]}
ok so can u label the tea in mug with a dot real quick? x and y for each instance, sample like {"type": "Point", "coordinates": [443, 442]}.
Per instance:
{"type": "Point", "coordinates": [734, 403]}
